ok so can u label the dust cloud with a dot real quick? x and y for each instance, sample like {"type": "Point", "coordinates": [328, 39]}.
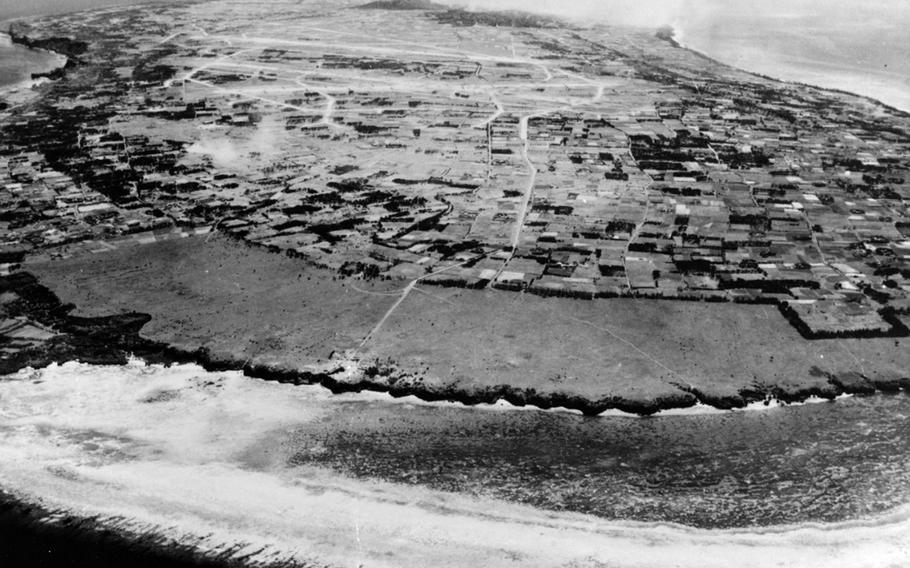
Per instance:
{"type": "Point", "coordinates": [241, 148]}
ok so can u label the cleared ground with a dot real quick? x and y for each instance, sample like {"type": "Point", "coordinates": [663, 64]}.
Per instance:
{"type": "Point", "coordinates": [247, 304]}
{"type": "Point", "coordinates": [630, 348]}
{"type": "Point", "coordinates": [239, 302]}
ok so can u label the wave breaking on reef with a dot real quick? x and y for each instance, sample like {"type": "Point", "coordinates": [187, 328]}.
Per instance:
{"type": "Point", "coordinates": [168, 450]}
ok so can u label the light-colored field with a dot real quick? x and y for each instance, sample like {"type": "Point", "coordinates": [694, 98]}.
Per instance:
{"type": "Point", "coordinates": [246, 304]}
{"type": "Point", "coordinates": [629, 348]}
{"type": "Point", "coordinates": [241, 303]}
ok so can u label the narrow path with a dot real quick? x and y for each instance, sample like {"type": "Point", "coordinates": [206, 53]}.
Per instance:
{"type": "Point", "coordinates": [532, 177]}
{"type": "Point", "coordinates": [523, 124]}
{"type": "Point", "coordinates": [431, 51]}
{"type": "Point", "coordinates": [526, 198]}
{"type": "Point", "coordinates": [330, 103]}
{"type": "Point", "coordinates": [599, 86]}
{"type": "Point", "coordinates": [633, 236]}
{"type": "Point", "coordinates": [852, 355]}
{"type": "Point", "coordinates": [404, 294]}
{"type": "Point", "coordinates": [627, 342]}
{"type": "Point", "coordinates": [387, 315]}
{"type": "Point", "coordinates": [434, 296]}
{"type": "Point", "coordinates": [372, 293]}
{"type": "Point", "coordinates": [716, 155]}
{"type": "Point", "coordinates": [189, 74]}
{"type": "Point", "coordinates": [325, 118]}
{"type": "Point", "coordinates": [815, 242]}
{"type": "Point", "coordinates": [170, 37]}
{"type": "Point", "coordinates": [500, 109]}
{"type": "Point", "coordinates": [546, 71]}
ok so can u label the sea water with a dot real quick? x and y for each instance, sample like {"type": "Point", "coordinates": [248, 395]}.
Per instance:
{"type": "Point", "coordinates": [18, 63]}
{"type": "Point", "coordinates": [286, 468]}
{"type": "Point", "coordinates": [856, 47]}
{"type": "Point", "coordinates": [851, 45]}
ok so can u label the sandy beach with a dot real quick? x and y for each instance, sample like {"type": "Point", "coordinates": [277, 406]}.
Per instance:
{"type": "Point", "coordinates": [189, 454]}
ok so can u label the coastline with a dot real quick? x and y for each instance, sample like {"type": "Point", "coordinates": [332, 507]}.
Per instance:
{"type": "Point", "coordinates": [51, 8]}
{"type": "Point", "coordinates": [23, 90]}
{"type": "Point", "coordinates": [115, 340]}
{"type": "Point", "coordinates": [338, 379]}
{"type": "Point", "coordinates": [125, 460]}
{"type": "Point", "coordinates": [106, 540]}
{"type": "Point", "coordinates": [373, 393]}
{"type": "Point", "coordinates": [35, 536]}
{"type": "Point", "coordinates": [677, 38]}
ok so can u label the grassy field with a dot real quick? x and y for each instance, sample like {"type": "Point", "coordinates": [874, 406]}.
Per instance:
{"type": "Point", "coordinates": [239, 302]}
{"type": "Point", "coordinates": [249, 305]}
{"type": "Point", "coordinates": [629, 348]}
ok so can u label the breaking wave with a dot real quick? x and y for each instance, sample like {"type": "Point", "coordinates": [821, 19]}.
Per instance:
{"type": "Point", "coordinates": [179, 451]}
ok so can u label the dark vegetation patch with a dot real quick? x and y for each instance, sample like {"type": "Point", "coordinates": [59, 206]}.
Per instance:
{"type": "Point", "coordinates": [401, 5]}
{"type": "Point", "coordinates": [63, 45]}
{"type": "Point", "coordinates": [506, 19]}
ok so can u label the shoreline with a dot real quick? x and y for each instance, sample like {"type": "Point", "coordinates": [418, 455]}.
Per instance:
{"type": "Point", "coordinates": [141, 416]}
{"type": "Point", "coordinates": [58, 65]}
{"type": "Point", "coordinates": [688, 401]}
{"type": "Point", "coordinates": [73, 512]}
{"type": "Point", "coordinates": [343, 375]}
{"type": "Point", "coordinates": [80, 507]}
{"type": "Point", "coordinates": [49, 538]}
{"type": "Point", "coordinates": [676, 39]}
{"type": "Point", "coordinates": [498, 405]}
{"type": "Point", "coordinates": [20, 505]}
{"type": "Point", "coordinates": [115, 340]}
{"type": "Point", "coordinates": [352, 376]}
{"type": "Point", "coordinates": [115, 5]}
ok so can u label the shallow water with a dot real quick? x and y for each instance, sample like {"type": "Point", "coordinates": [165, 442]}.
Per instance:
{"type": "Point", "coordinates": [822, 462]}
{"type": "Point", "coordinates": [216, 459]}
{"type": "Point", "coordinates": [865, 53]}
{"type": "Point", "coordinates": [17, 63]}
{"type": "Point", "coordinates": [23, 9]}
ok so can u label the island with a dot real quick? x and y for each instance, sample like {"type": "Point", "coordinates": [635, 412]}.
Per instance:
{"type": "Point", "coordinates": [404, 197]}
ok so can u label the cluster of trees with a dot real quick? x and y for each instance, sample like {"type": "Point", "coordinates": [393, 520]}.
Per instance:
{"type": "Point", "coordinates": [889, 315]}
{"type": "Point", "coordinates": [509, 19]}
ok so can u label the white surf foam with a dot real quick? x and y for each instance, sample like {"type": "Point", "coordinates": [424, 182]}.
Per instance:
{"type": "Point", "coordinates": [169, 449]}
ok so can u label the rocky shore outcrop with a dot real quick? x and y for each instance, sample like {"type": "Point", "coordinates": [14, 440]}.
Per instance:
{"type": "Point", "coordinates": [114, 339]}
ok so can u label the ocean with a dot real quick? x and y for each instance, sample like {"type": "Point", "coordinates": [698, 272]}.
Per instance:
{"type": "Point", "coordinates": [17, 63]}
{"type": "Point", "coordinates": [864, 51]}
{"type": "Point", "coordinates": [222, 462]}
{"type": "Point", "coordinates": [10, 9]}
{"type": "Point", "coordinates": [851, 45]}
{"type": "Point", "coordinates": [217, 459]}
{"type": "Point", "coordinates": [840, 44]}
